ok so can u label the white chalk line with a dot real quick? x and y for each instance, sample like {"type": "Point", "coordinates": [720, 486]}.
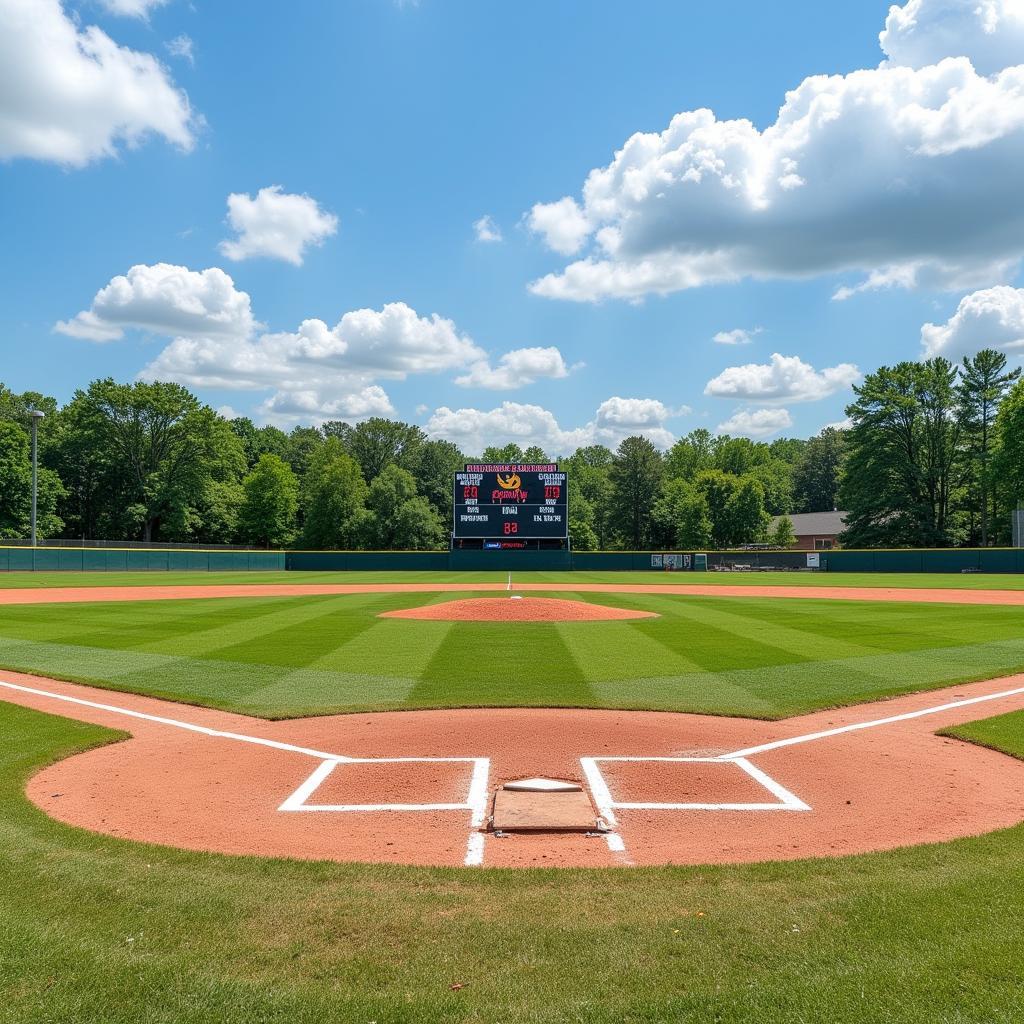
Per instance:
{"type": "Point", "coordinates": [175, 723]}
{"type": "Point", "coordinates": [476, 801]}
{"type": "Point", "coordinates": [607, 804]}
{"type": "Point", "coordinates": [856, 726]}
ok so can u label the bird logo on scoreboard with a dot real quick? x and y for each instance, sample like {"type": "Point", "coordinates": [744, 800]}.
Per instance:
{"type": "Point", "coordinates": [510, 483]}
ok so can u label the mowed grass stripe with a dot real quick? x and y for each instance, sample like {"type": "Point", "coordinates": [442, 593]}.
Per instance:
{"type": "Point", "coordinates": [891, 626]}
{"type": "Point", "coordinates": [269, 619]}
{"type": "Point", "coordinates": [750, 631]}
{"type": "Point", "coordinates": [711, 641]}
{"type": "Point", "coordinates": [335, 623]}
{"type": "Point", "coordinates": [315, 655]}
{"type": "Point", "coordinates": [778, 691]}
{"type": "Point", "coordinates": [618, 650]}
{"type": "Point", "coordinates": [388, 642]}
{"type": "Point", "coordinates": [502, 664]}
{"type": "Point", "coordinates": [271, 691]}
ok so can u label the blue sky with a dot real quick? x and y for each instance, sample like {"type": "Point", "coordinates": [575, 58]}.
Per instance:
{"type": "Point", "coordinates": [364, 142]}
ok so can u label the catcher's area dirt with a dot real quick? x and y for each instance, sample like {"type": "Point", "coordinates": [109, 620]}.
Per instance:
{"type": "Point", "coordinates": [64, 595]}
{"type": "Point", "coordinates": [524, 609]}
{"type": "Point", "coordinates": [207, 780]}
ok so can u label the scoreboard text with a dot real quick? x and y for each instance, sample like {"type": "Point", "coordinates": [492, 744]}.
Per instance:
{"type": "Point", "coordinates": [511, 502]}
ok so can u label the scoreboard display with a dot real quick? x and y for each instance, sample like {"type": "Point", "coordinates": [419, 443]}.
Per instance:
{"type": "Point", "coordinates": [511, 502]}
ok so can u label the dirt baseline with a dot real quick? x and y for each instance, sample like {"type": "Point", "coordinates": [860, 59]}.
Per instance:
{"type": "Point", "coordinates": [158, 592]}
{"type": "Point", "coordinates": [415, 787]}
{"type": "Point", "coordinates": [517, 609]}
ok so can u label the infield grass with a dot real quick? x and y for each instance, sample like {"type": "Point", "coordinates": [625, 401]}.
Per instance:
{"type": "Point", "coordinates": [95, 929]}
{"type": "Point", "coordinates": [294, 656]}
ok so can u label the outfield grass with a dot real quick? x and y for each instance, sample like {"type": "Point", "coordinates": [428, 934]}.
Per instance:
{"type": "Point", "coordinates": [287, 657]}
{"type": "Point", "coordinates": [96, 929]}
{"type": "Point", "coordinates": [955, 581]}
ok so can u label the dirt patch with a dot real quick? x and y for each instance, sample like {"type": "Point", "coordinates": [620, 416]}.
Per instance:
{"type": "Point", "coordinates": [400, 787]}
{"type": "Point", "coordinates": [517, 609]}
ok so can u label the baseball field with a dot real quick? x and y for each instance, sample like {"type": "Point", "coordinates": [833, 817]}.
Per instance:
{"type": "Point", "coordinates": [272, 797]}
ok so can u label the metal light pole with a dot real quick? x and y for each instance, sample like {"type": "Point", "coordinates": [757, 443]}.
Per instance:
{"type": "Point", "coordinates": [36, 416]}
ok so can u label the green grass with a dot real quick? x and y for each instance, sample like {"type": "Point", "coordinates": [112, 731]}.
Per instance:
{"type": "Point", "coordinates": [93, 929]}
{"type": "Point", "coordinates": [287, 657]}
{"type": "Point", "coordinates": [956, 581]}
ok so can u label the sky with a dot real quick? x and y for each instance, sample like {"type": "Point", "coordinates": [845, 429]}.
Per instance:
{"type": "Point", "coordinates": [558, 222]}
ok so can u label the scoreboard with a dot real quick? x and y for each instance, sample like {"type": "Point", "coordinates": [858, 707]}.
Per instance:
{"type": "Point", "coordinates": [511, 502]}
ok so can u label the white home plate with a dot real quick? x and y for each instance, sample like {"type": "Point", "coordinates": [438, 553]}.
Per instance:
{"type": "Point", "coordinates": [539, 785]}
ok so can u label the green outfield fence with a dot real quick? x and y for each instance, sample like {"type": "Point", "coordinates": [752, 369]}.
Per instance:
{"type": "Point", "coordinates": [22, 559]}
{"type": "Point", "coordinates": [69, 559]}
{"type": "Point", "coordinates": [895, 560]}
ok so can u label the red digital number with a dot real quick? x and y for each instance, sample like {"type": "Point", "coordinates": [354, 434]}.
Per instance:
{"type": "Point", "coordinates": [552, 492]}
{"type": "Point", "coordinates": [511, 528]}
{"type": "Point", "coordinates": [469, 492]}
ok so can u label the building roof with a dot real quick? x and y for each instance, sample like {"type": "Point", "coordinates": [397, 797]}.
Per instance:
{"type": "Point", "coordinates": [816, 524]}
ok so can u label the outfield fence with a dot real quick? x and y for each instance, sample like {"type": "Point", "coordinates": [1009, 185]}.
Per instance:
{"type": "Point", "coordinates": [62, 559]}
{"type": "Point", "coordinates": [151, 559]}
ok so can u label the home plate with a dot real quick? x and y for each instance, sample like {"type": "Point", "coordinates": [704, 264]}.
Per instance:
{"type": "Point", "coordinates": [543, 805]}
{"type": "Point", "coordinates": [539, 785]}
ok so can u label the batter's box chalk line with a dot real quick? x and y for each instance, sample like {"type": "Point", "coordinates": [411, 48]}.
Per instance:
{"type": "Point", "coordinates": [475, 802]}
{"type": "Point", "coordinates": [476, 798]}
{"type": "Point", "coordinates": [607, 804]}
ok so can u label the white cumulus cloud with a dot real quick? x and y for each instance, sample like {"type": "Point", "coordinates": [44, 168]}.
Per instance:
{"type": "Point", "coordinates": [992, 318]}
{"type": "Point", "coordinates": [563, 225]}
{"type": "Point", "coordinates": [165, 299]}
{"type": "Point", "coordinates": [286, 408]}
{"type": "Point", "coordinates": [615, 418]}
{"type": "Point", "coordinates": [906, 174]}
{"type": "Point", "coordinates": [486, 230]}
{"type": "Point", "coordinates": [988, 32]}
{"type": "Point", "coordinates": [313, 372]}
{"type": "Point", "coordinates": [756, 423]}
{"type": "Point", "coordinates": [276, 224]}
{"type": "Point", "coordinates": [784, 379]}
{"type": "Point", "coordinates": [516, 369]}
{"type": "Point", "coordinates": [72, 95]}
{"type": "Point", "coordinates": [737, 336]}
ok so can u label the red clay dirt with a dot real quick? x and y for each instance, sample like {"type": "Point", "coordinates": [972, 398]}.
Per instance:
{"type": "Point", "coordinates": [889, 785]}
{"type": "Point", "coordinates": [517, 609]}
{"type": "Point", "coordinates": [66, 595]}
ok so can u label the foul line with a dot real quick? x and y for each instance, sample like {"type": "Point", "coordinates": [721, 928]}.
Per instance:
{"type": "Point", "coordinates": [476, 801]}
{"type": "Point", "coordinates": [825, 733]}
{"type": "Point", "coordinates": [205, 730]}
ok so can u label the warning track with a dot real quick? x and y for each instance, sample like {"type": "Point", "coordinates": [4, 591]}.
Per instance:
{"type": "Point", "coordinates": [414, 787]}
{"type": "Point", "coordinates": [66, 595]}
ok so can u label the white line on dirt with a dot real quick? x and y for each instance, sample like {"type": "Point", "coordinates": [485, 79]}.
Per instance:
{"type": "Point", "coordinates": [475, 850]}
{"type": "Point", "coordinates": [825, 733]}
{"type": "Point", "coordinates": [206, 731]}
{"type": "Point", "coordinates": [599, 790]}
{"type": "Point", "coordinates": [476, 801]}
{"type": "Point", "coordinates": [297, 800]}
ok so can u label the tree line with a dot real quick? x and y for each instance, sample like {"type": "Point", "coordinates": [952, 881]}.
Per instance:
{"type": "Point", "coordinates": [934, 456]}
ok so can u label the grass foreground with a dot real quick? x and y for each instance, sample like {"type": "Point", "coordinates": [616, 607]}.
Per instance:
{"type": "Point", "coordinates": [296, 656]}
{"type": "Point", "coordinates": [98, 929]}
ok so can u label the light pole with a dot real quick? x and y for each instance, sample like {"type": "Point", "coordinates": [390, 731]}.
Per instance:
{"type": "Point", "coordinates": [36, 416]}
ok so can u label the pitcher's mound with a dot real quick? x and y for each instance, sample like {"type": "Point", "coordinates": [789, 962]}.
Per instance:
{"type": "Point", "coordinates": [518, 609]}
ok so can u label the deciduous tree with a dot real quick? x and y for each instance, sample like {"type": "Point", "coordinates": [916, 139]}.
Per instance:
{"type": "Point", "coordinates": [269, 503]}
